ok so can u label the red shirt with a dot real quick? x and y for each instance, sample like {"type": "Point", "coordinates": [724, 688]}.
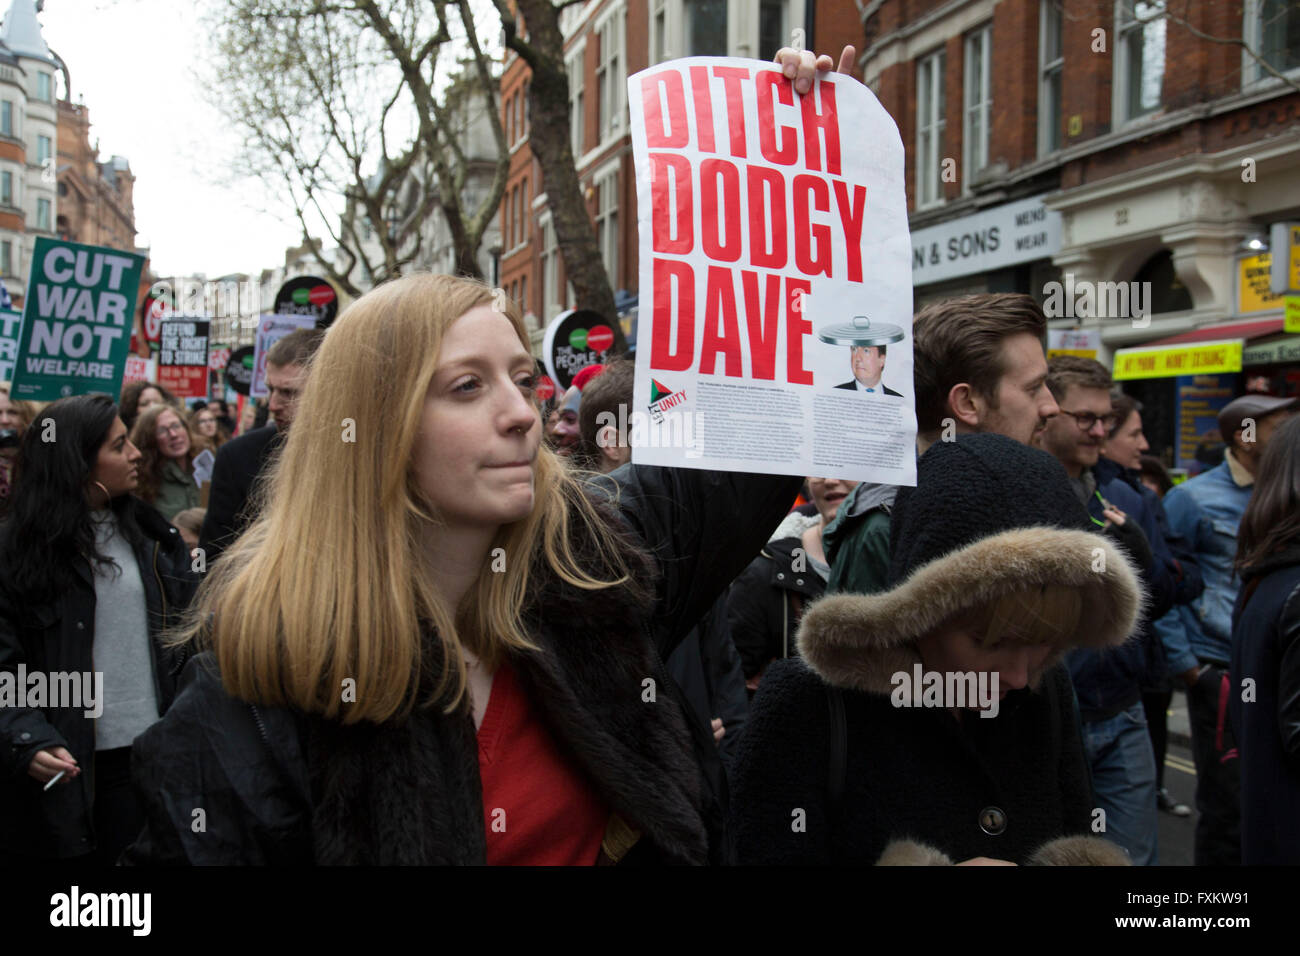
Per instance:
{"type": "Point", "coordinates": [538, 808]}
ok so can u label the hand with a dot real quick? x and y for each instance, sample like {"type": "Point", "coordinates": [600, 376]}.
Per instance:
{"type": "Point", "coordinates": [1191, 676]}
{"type": "Point", "coordinates": [1113, 515]}
{"type": "Point", "coordinates": [802, 65]}
{"type": "Point", "coordinates": [718, 730]}
{"type": "Point", "coordinates": [984, 861]}
{"type": "Point", "coordinates": [47, 763]}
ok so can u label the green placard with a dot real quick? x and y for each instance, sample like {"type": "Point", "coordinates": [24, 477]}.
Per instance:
{"type": "Point", "coordinates": [77, 320]}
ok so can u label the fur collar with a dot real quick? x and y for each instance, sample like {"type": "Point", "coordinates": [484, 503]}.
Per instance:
{"type": "Point", "coordinates": [1063, 851]}
{"type": "Point", "coordinates": [859, 641]}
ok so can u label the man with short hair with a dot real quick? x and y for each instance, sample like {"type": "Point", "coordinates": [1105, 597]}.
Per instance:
{"type": "Point", "coordinates": [1108, 683]}
{"type": "Point", "coordinates": [979, 367]}
{"type": "Point", "coordinates": [1206, 511]}
{"type": "Point", "coordinates": [604, 417]}
{"type": "Point", "coordinates": [242, 463]}
{"type": "Point", "coordinates": [868, 364]}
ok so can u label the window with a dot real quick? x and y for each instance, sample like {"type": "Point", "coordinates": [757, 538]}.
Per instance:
{"type": "Point", "coordinates": [550, 272]}
{"type": "Point", "coordinates": [523, 293]}
{"type": "Point", "coordinates": [509, 230]}
{"type": "Point", "coordinates": [978, 102]}
{"type": "Point", "coordinates": [772, 31]}
{"type": "Point", "coordinates": [706, 28]}
{"type": "Point", "coordinates": [6, 258]}
{"type": "Point", "coordinates": [607, 222]}
{"type": "Point", "coordinates": [524, 217]}
{"type": "Point", "coordinates": [6, 117]}
{"type": "Point", "coordinates": [518, 234]}
{"type": "Point", "coordinates": [610, 80]}
{"type": "Point", "coordinates": [577, 116]}
{"type": "Point", "coordinates": [43, 214]}
{"type": "Point", "coordinates": [929, 129]}
{"type": "Point", "coordinates": [45, 87]}
{"type": "Point", "coordinates": [658, 31]}
{"type": "Point", "coordinates": [1276, 34]}
{"type": "Point", "coordinates": [510, 121]}
{"type": "Point", "coordinates": [6, 188]}
{"type": "Point", "coordinates": [42, 149]}
{"type": "Point", "coordinates": [1140, 57]}
{"type": "Point", "coordinates": [1050, 62]}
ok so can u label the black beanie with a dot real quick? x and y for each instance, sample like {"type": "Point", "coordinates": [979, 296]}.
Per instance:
{"type": "Point", "coordinates": [974, 487]}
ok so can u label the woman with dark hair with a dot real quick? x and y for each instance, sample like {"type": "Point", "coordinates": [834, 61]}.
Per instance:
{"type": "Point", "coordinates": [1266, 656]}
{"type": "Point", "coordinates": [15, 417]}
{"type": "Point", "coordinates": [167, 447]}
{"type": "Point", "coordinates": [89, 578]}
{"type": "Point", "coordinates": [1154, 475]}
{"type": "Point", "coordinates": [138, 397]}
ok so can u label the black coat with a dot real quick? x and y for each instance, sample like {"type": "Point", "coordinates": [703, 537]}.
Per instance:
{"type": "Point", "coordinates": [277, 787]}
{"type": "Point", "coordinates": [240, 464]}
{"type": "Point", "coordinates": [766, 602]}
{"type": "Point", "coordinates": [910, 773]}
{"type": "Point", "coordinates": [60, 637]}
{"type": "Point", "coordinates": [707, 669]}
{"type": "Point", "coordinates": [1266, 649]}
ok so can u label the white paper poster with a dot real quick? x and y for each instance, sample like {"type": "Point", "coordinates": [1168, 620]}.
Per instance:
{"type": "Point", "coordinates": [271, 329]}
{"type": "Point", "coordinates": [775, 275]}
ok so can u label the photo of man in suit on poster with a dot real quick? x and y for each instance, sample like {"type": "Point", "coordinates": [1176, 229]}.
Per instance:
{"type": "Point", "coordinates": [868, 364]}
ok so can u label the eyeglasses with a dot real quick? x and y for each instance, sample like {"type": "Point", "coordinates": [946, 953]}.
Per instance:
{"type": "Point", "coordinates": [170, 429]}
{"type": "Point", "coordinates": [1086, 420]}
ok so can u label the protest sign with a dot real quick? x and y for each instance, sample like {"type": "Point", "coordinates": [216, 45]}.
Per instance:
{"type": "Point", "coordinates": [11, 323]}
{"type": "Point", "coordinates": [775, 275]}
{"type": "Point", "coordinates": [77, 320]}
{"type": "Point", "coordinates": [270, 329]}
{"type": "Point", "coordinates": [218, 357]}
{"type": "Point", "coordinates": [183, 357]}
{"type": "Point", "coordinates": [139, 369]}
{"type": "Point", "coordinates": [239, 370]}
{"type": "Point", "coordinates": [574, 340]}
{"type": "Point", "coordinates": [308, 295]}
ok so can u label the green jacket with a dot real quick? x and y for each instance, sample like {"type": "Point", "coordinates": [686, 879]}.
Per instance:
{"type": "Point", "coordinates": [177, 491]}
{"type": "Point", "coordinates": [857, 541]}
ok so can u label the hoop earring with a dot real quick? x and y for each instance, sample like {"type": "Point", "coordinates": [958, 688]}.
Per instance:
{"type": "Point", "coordinates": [108, 499]}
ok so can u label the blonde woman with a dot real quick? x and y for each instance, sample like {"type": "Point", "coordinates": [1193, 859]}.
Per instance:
{"type": "Point", "coordinates": [438, 644]}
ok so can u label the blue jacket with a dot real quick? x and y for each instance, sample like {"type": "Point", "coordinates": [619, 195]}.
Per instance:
{"type": "Point", "coordinates": [1108, 681]}
{"type": "Point", "coordinates": [1205, 511]}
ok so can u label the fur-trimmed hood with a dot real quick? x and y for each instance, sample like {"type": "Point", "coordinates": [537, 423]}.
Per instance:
{"type": "Point", "coordinates": [1063, 851]}
{"type": "Point", "coordinates": [859, 641]}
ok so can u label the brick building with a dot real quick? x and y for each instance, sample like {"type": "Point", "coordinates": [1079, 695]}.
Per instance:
{"type": "Point", "coordinates": [28, 123]}
{"type": "Point", "coordinates": [96, 199]}
{"type": "Point", "coordinates": [605, 42]}
{"type": "Point", "coordinates": [1054, 141]}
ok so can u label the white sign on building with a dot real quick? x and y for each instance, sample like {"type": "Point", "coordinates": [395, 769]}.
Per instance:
{"type": "Point", "coordinates": [1003, 236]}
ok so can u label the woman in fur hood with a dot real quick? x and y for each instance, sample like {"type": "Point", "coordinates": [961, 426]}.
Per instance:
{"type": "Point", "coordinates": [933, 722]}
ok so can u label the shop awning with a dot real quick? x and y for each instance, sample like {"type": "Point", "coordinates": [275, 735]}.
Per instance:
{"type": "Point", "coordinates": [1186, 358]}
{"type": "Point", "coordinates": [1250, 329]}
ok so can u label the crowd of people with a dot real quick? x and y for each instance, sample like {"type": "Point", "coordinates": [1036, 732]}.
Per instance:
{"type": "Point", "coordinates": [428, 618]}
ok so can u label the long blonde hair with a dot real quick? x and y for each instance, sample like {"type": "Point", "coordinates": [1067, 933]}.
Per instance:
{"type": "Point", "coordinates": [330, 583]}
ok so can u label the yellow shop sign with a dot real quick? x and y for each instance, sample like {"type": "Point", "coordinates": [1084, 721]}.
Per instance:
{"type": "Point", "coordinates": [1204, 358]}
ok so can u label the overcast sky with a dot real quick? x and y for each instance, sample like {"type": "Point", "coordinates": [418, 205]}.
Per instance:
{"type": "Point", "coordinates": [133, 62]}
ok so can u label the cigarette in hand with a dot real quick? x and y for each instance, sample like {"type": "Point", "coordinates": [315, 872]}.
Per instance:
{"type": "Point", "coordinates": [55, 779]}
